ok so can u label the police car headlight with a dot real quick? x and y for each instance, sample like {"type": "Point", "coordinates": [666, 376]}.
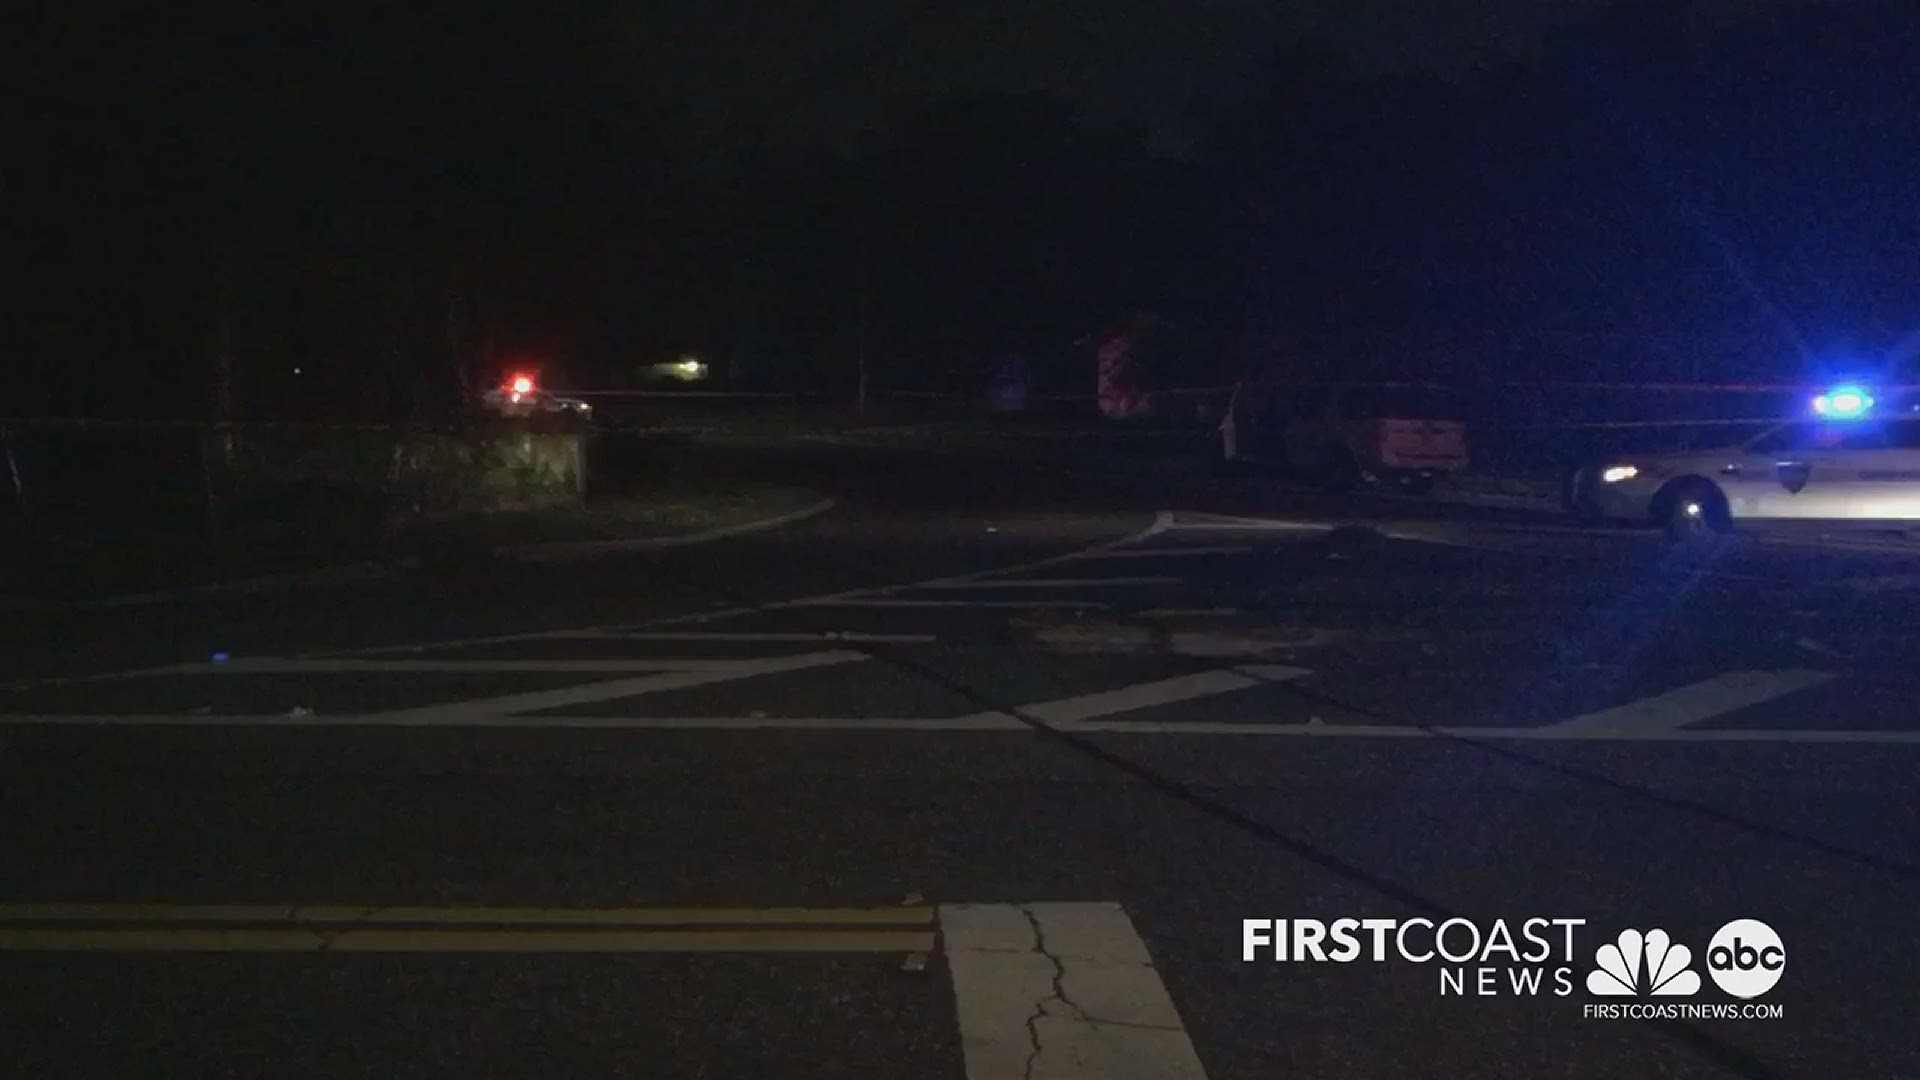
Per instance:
{"type": "Point", "coordinates": [1613, 474]}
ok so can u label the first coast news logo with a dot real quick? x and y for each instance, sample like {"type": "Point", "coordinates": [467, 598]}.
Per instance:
{"type": "Point", "coordinates": [1638, 975]}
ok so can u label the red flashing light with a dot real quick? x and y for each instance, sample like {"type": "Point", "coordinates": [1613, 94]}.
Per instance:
{"type": "Point", "coordinates": [520, 383]}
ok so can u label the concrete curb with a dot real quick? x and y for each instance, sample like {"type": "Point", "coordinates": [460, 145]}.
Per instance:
{"type": "Point", "coordinates": [555, 552]}
{"type": "Point", "coordinates": [1499, 491]}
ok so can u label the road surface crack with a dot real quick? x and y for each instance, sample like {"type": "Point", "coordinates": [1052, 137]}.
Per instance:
{"type": "Point", "coordinates": [1040, 1006]}
{"type": "Point", "coordinates": [1059, 993]}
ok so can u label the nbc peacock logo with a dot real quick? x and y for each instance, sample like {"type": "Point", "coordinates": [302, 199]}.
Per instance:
{"type": "Point", "coordinates": [1640, 965]}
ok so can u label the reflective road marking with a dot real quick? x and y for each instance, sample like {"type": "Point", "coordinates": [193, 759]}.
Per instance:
{"type": "Point", "coordinates": [1067, 711]}
{"type": "Point", "coordinates": [1704, 700]}
{"type": "Point", "coordinates": [269, 665]}
{"type": "Point", "coordinates": [1056, 583]}
{"type": "Point", "coordinates": [984, 722]}
{"type": "Point", "coordinates": [899, 603]}
{"type": "Point", "coordinates": [592, 693]}
{"type": "Point", "coordinates": [1172, 552]}
{"type": "Point", "coordinates": [851, 637]}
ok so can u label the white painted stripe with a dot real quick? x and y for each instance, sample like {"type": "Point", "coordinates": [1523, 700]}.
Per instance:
{"type": "Point", "coordinates": [1754, 735]}
{"type": "Point", "coordinates": [1204, 727]}
{"type": "Point", "coordinates": [1274, 672]}
{"type": "Point", "coordinates": [1190, 519]}
{"type": "Point", "coordinates": [894, 602]}
{"type": "Point", "coordinates": [1173, 553]}
{"type": "Point", "coordinates": [556, 552]}
{"type": "Point", "coordinates": [445, 643]}
{"type": "Point", "coordinates": [1703, 700]}
{"type": "Point", "coordinates": [1251, 525]}
{"type": "Point", "coordinates": [269, 665]}
{"type": "Point", "coordinates": [1061, 990]}
{"type": "Point", "coordinates": [1161, 522]}
{"type": "Point", "coordinates": [852, 637]}
{"type": "Point", "coordinates": [1055, 583]}
{"type": "Point", "coordinates": [620, 688]}
{"type": "Point", "coordinates": [1068, 711]}
{"type": "Point", "coordinates": [980, 722]}
{"type": "Point", "coordinates": [976, 722]}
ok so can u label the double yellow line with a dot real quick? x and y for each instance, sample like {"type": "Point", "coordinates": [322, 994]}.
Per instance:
{"type": "Point", "coordinates": [284, 928]}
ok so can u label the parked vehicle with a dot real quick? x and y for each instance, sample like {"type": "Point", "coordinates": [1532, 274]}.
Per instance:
{"type": "Point", "coordinates": [1341, 436]}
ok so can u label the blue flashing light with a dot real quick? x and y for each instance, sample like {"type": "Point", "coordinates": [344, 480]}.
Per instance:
{"type": "Point", "coordinates": [1843, 403]}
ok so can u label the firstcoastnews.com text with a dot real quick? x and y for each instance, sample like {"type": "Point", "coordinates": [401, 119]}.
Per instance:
{"type": "Point", "coordinates": [1674, 1010]}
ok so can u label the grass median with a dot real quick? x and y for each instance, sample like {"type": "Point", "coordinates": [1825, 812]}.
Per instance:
{"type": "Point", "coordinates": [641, 490]}
{"type": "Point", "coordinates": [679, 506]}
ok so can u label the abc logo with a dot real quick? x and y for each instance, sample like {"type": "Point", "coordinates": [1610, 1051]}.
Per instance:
{"type": "Point", "coordinates": [1746, 958]}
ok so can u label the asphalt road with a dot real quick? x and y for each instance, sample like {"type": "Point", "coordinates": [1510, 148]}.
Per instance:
{"type": "Point", "coordinates": [977, 775]}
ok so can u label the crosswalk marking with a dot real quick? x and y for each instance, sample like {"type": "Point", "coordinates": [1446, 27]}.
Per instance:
{"type": "Point", "coordinates": [1687, 705]}
{"type": "Point", "coordinates": [1189, 520]}
{"type": "Point", "coordinates": [850, 637]}
{"type": "Point", "coordinates": [1056, 583]}
{"type": "Point", "coordinates": [897, 602]}
{"type": "Point", "coordinates": [1143, 695]}
{"type": "Point", "coordinates": [979, 722]}
{"type": "Point", "coordinates": [1172, 552]}
{"type": "Point", "coordinates": [1061, 990]}
{"type": "Point", "coordinates": [592, 693]}
{"type": "Point", "coordinates": [362, 666]}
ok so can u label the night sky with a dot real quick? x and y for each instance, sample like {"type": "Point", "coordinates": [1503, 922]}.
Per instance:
{"type": "Point", "coordinates": [812, 69]}
{"type": "Point", "coordinates": [610, 181]}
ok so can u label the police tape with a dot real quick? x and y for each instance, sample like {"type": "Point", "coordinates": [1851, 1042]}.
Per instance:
{"type": "Point", "coordinates": [706, 395]}
{"type": "Point", "coordinates": [1587, 425]}
{"type": "Point", "coordinates": [29, 423]}
{"type": "Point", "coordinates": [1693, 388]}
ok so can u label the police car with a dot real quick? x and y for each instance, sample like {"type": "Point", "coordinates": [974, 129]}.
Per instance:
{"type": "Point", "coordinates": [520, 395]}
{"type": "Point", "coordinates": [1841, 467]}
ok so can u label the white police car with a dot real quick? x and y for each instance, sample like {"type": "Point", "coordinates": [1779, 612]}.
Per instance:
{"type": "Point", "coordinates": [1840, 468]}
